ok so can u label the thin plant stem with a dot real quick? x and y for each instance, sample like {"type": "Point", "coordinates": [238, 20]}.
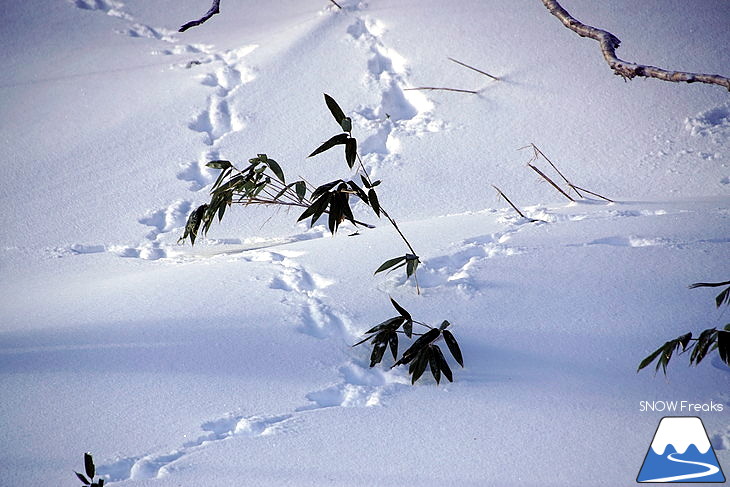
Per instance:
{"type": "Point", "coordinates": [434, 88]}
{"type": "Point", "coordinates": [474, 69]}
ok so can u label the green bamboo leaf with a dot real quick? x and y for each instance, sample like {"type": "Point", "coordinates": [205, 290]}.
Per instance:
{"type": "Point", "coordinates": [419, 366]}
{"type": "Point", "coordinates": [350, 151]}
{"type": "Point", "coordinates": [358, 191]}
{"type": "Point", "coordinates": [377, 355]}
{"type": "Point", "coordinates": [325, 188]}
{"type": "Point", "coordinates": [392, 323]}
{"type": "Point", "coordinates": [723, 297]}
{"type": "Point", "coordinates": [723, 345]}
{"type": "Point", "coordinates": [364, 181]}
{"type": "Point", "coordinates": [338, 139]}
{"type": "Point", "coordinates": [444, 325]}
{"type": "Point", "coordinates": [276, 169]}
{"type": "Point", "coordinates": [346, 124]}
{"type": "Point", "coordinates": [408, 328]}
{"type": "Point", "coordinates": [83, 479]}
{"type": "Point", "coordinates": [650, 358]}
{"type": "Point", "coordinates": [443, 365]}
{"type": "Point", "coordinates": [421, 343]}
{"type": "Point", "coordinates": [193, 224]}
{"type": "Point", "coordinates": [684, 340]}
{"type": "Point", "coordinates": [411, 266]}
{"type": "Point", "coordinates": [316, 209]}
{"type": "Point", "coordinates": [89, 465]}
{"type": "Point", "coordinates": [301, 189]}
{"type": "Point", "coordinates": [101, 482]}
{"type": "Point", "coordinates": [389, 263]}
{"type": "Point", "coordinates": [335, 109]}
{"type": "Point", "coordinates": [706, 339]}
{"type": "Point", "coordinates": [221, 177]}
{"type": "Point", "coordinates": [405, 314]}
{"type": "Point", "coordinates": [219, 164]}
{"type": "Point", "coordinates": [434, 365]}
{"type": "Point", "coordinates": [374, 203]}
{"type": "Point", "coordinates": [393, 341]}
{"type": "Point", "coordinates": [453, 347]}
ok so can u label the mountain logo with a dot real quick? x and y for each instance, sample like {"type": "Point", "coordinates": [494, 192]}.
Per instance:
{"type": "Point", "coordinates": [680, 452]}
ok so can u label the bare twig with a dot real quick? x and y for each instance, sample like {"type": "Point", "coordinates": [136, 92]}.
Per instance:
{"type": "Point", "coordinates": [431, 88]}
{"type": "Point", "coordinates": [336, 4]}
{"type": "Point", "coordinates": [576, 188]}
{"type": "Point", "coordinates": [539, 152]}
{"type": "Point", "coordinates": [708, 284]}
{"type": "Point", "coordinates": [214, 9]}
{"type": "Point", "coordinates": [609, 44]}
{"type": "Point", "coordinates": [500, 193]}
{"type": "Point", "coordinates": [546, 178]}
{"type": "Point", "coordinates": [474, 69]}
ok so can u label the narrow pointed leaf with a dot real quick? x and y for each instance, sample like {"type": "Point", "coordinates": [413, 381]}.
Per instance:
{"type": "Point", "coordinates": [408, 328]}
{"type": "Point", "coordinates": [89, 465]}
{"type": "Point", "coordinates": [276, 169]}
{"type": "Point", "coordinates": [335, 109]}
{"type": "Point", "coordinates": [401, 310]}
{"type": "Point", "coordinates": [684, 340]}
{"type": "Point", "coordinates": [325, 188]}
{"type": "Point", "coordinates": [346, 124]}
{"type": "Point", "coordinates": [723, 345]}
{"type": "Point", "coordinates": [364, 181]}
{"type": "Point", "coordinates": [392, 323]}
{"type": "Point", "coordinates": [723, 297]}
{"type": "Point", "coordinates": [443, 365]}
{"type": "Point", "coordinates": [336, 140]}
{"type": "Point", "coordinates": [83, 479]}
{"type": "Point", "coordinates": [393, 342]}
{"type": "Point", "coordinates": [453, 347]}
{"type": "Point", "coordinates": [351, 152]}
{"type": "Point", "coordinates": [649, 359]}
{"type": "Point", "coordinates": [419, 366]}
{"type": "Point", "coordinates": [377, 355]}
{"type": "Point", "coordinates": [301, 189]}
{"type": "Point", "coordinates": [358, 191]}
{"type": "Point", "coordinates": [434, 365]}
{"type": "Point", "coordinates": [374, 202]}
{"type": "Point", "coordinates": [411, 267]}
{"type": "Point", "coordinates": [101, 482]}
{"type": "Point", "coordinates": [316, 208]}
{"type": "Point", "coordinates": [422, 342]}
{"type": "Point", "coordinates": [389, 263]}
{"type": "Point", "coordinates": [444, 325]}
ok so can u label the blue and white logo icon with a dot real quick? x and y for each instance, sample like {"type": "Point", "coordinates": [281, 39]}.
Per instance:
{"type": "Point", "coordinates": [681, 452]}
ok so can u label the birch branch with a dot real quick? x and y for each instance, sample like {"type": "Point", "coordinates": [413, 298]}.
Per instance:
{"type": "Point", "coordinates": [214, 9]}
{"type": "Point", "coordinates": [609, 43]}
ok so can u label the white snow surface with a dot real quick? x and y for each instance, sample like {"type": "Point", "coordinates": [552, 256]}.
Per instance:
{"type": "Point", "coordinates": [229, 362]}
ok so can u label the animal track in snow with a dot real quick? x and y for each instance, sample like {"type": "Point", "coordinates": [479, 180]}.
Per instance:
{"type": "Point", "coordinates": [399, 112]}
{"type": "Point", "coordinates": [157, 465]}
{"type": "Point", "coordinates": [713, 122]}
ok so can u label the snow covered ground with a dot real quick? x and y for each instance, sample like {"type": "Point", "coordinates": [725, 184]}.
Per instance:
{"type": "Point", "coordinates": [229, 362]}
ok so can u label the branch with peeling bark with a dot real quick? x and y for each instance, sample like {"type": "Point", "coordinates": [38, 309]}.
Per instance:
{"type": "Point", "coordinates": [609, 43]}
{"type": "Point", "coordinates": [214, 9]}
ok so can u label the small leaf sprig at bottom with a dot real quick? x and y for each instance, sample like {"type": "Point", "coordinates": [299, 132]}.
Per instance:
{"type": "Point", "coordinates": [423, 352]}
{"type": "Point", "coordinates": [90, 471]}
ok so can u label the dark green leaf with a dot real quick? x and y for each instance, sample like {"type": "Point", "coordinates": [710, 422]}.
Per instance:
{"type": "Point", "coordinates": [374, 203]}
{"type": "Point", "coordinates": [420, 344]}
{"type": "Point", "coordinates": [649, 359]}
{"type": "Point", "coordinates": [684, 340]}
{"type": "Point", "coordinates": [316, 209]}
{"type": "Point", "coordinates": [346, 124]}
{"type": "Point", "coordinates": [221, 176]}
{"type": "Point", "coordinates": [444, 325]}
{"type": "Point", "coordinates": [358, 191]}
{"type": "Point", "coordinates": [704, 342]}
{"type": "Point", "coordinates": [377, 355]}
{"type": "Point", "coordinates": [193, 224]}
{"type": "Point", "coordinates": [405, 314]}
{"type": "Point", "coordinates": [419, 365]}
{"type": "Point", "coordinates": [408, 328]}
{"type": "Point", "coordinates": [453, 347]}
{"type": "Point", "coordinates": [723, 345]}
{"type": "Point", "coordinates": [325, 188]}
{"type": "Point", "coordinates": [89, 465]}
{"type": "Point", "coordinates": [276, 169]}
{"type": "Point", "coordinates": [434, 365]}
{"type": "Point", "coordinates": [351, 152]}
{"type": "Point", "coordinates": [301, 189]}
{"type": "Point", "coordinates": [393, 341]}
{"type": "Point", "coordinates": [334, 215]}
{"type": "Point", "coordinates": [442, 362]}
{"type": "Point", "coordinates": [389, 263]}
{"type": "Point", "coordinates": [411, 267]}
{"type": "Point", "coordinates": [336, 140]}
{"type": "Point", "coordinates": [364, 181]}
{"type": "Point", "coordinates": [723, 297]}
{"type": "Point", "coordinates": [219, 164]}
{"type": "Point", "coordinates": [101, 482]}
{"type": "Point", "coordinates": [392, 323]}
{"type": "Point", "coordinates": [334, 109]}
{"type": "Point", "coordinates": [82, 479]}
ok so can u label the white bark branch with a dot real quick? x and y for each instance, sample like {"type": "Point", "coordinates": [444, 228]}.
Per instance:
{"type": "Point", "coordinates": [610, 42]}
{"type": "Point", "coordinates": [214, 9]}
